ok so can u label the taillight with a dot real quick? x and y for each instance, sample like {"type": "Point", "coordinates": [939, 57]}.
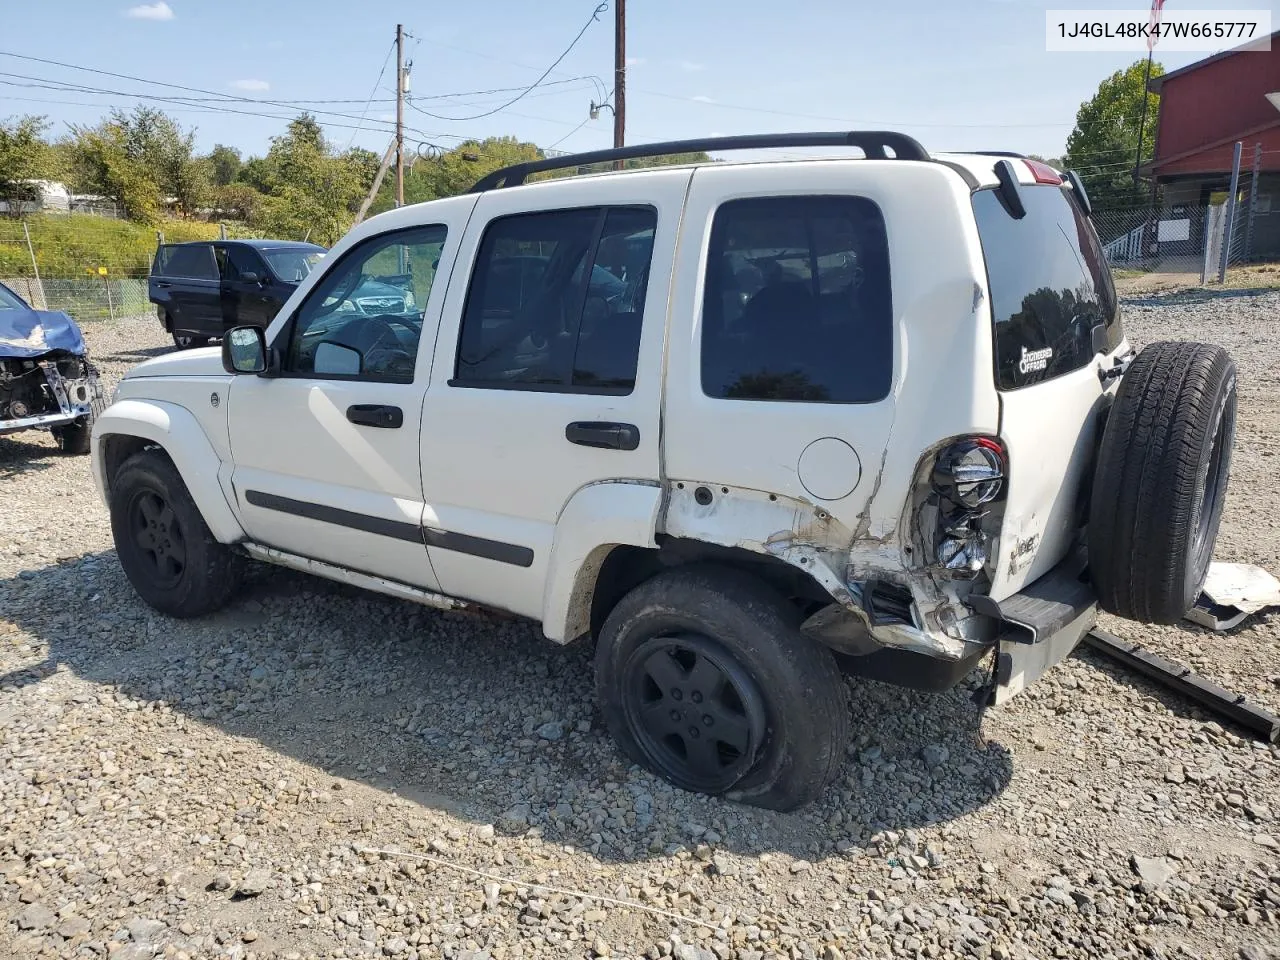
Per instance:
{"type": "Point", "coordinates": [967, 475]}
{"type": "Point", "coordinates": [1042, 172]}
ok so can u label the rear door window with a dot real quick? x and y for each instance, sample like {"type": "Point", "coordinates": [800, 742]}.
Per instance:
{"type": "Point", "coordinates": [192, 262]}
{"type": "Point", "coordinates": [797, 303]}
{"type": "Point", "coordinates": [1050, 286]}
{"type": "Point", "coordinates": [556, 301]}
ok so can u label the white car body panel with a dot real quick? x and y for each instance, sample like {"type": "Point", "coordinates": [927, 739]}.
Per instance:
{"type": "Point", "coordinates": [511, 485]}
{"type": "Point", "coordinates": [479, 495]}
{"type": "Point", "coordinates": [179, 432]}
{"type": "Point", "coordinates": [298, 459]}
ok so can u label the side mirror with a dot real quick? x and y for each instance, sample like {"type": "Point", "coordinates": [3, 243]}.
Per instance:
{"type": "Point", "coordinates": [244, 350]}
{"type": "Point", "coordinates": [250, 277]}
{"type": "Point", "coordinates": [336, 359]}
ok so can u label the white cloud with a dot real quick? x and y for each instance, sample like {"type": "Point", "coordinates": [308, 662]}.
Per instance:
{"type": "Point", "coordinates": [691, 66]}
{"type": "Point", "coordinates": [150, 11]}
{"type": "Point", "coordinates": [635, 61]}
{"type": "Point", "coordinates": [257, 86]}
{"type": "Point", "coordinates": [702, 98]}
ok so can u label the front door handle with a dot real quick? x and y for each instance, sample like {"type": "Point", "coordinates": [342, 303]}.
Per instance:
{"type": "Point", "coordinates": [610, 436]}
{"type": "Point", "coordinates": [375, 415]}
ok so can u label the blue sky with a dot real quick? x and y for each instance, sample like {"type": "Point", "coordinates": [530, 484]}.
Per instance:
{"type": "Point", "coordinates": [958, 75]}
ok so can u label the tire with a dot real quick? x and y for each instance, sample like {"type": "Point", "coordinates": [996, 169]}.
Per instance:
{"type": "Point", "coordinates": [74, 439]}
{"type": "Point", "coordinates": [1161, 481]}
{"type": "Point", "coordinates": [185, 341]}
{"type": "Point", "coordinates": [782, 689]}
{"type": "Point", "coordinates": [207, 572]}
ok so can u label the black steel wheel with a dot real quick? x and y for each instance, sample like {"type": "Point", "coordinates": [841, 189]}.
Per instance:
{"type": "Point", "coordinates": [165, 547]}
{"type": "Point", "coordinates": [189, 341]}
{"type": "Point", "coordinates": [704, 677]}
{"type": "Point", "coordinates": [694, 710]}
{"type": "Point", "coordinates": [159, 537]}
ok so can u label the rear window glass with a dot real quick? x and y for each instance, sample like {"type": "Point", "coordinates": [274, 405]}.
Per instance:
{"type": "Point", "coordinates": [195, 262]}
{"type": "Point", "coordinates": [797, 304]}
{"type": "Point", "coordinates": [1050, 286]}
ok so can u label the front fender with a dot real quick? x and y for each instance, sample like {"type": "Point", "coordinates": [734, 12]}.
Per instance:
{"type": "Point", "coordinates": [179, 433]}
{"type": "Point", "coordinates": [597, 518]}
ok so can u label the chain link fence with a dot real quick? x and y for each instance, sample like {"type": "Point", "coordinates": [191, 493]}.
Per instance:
{"type": "Point", "coordinates": [1180, 237]}
{"type": "Point", "coordinates": [90, 266]}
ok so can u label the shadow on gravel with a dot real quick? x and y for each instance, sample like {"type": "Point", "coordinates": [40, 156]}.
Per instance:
{"type": "Point", "coordinates": [1195, 295]}
{"type": "Point", "coordinates": [480, 717]}
{"type": "Point", "coordinates": [136, 355]}
{"type": "Point", "coordinates": [22, 453]}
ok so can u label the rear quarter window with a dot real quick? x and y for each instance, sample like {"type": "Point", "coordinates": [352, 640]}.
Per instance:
{"type": "Point", "coordinates": [1050, 286]}
{"type": "Point", "coordinates": [797, 302]}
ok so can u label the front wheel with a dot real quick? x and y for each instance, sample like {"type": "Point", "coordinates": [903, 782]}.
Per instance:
{"type": "Point", "coordinates": [164, 545]}
{"type": "Point", "coordinates": [74, 438]}
{"type": "Point", "coordinates": [704, 678]}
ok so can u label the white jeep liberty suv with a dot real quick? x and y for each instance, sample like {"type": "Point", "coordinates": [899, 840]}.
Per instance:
{"type": "Point", "coordinates": [742, 425]}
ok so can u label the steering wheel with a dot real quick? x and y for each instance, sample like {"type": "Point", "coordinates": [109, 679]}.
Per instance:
{"type": "Point", "coordinates": [380, 348]}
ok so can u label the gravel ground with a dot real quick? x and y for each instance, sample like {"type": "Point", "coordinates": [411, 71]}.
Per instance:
{"type": "Point", "coordinates": [214, 788]}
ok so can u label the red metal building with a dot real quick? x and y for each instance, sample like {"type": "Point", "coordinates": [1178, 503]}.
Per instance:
{"type": "Point", "coordinates": [1204, 109]}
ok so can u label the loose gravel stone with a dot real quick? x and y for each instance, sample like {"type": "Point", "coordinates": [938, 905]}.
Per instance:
{"type": "Point", "coordinates": [153, 772]}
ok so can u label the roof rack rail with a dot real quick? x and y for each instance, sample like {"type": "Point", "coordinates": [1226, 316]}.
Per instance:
{"type": "Point", "coordinates": [998, 153]}
{"type": "Point", "coordinates": [874, 143]}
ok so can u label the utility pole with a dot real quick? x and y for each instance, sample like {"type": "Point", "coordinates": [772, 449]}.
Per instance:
{"type": "Point", "coordinates": [1253, 198]}
{"type": "Point", "coordinates": [399, 115]}
{"type": "Point", "coordinates": [1227, 230]}
{"type": "Point", "coordinates": [619, 76]}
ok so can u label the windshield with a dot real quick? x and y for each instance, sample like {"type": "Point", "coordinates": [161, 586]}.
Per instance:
{"type": "Point", "coordinates": [10, 300]}
{"type": "Point", "coordinates": [292, 266]}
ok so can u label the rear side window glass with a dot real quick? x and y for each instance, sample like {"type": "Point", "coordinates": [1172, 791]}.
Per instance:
{"type": "Point", "coordinates": [1050, 286]}
{"type": "Point", "coordinates": [194, 262]}
{"type": "Point", "coordinates": [797, 303]}
{"type": "Point", "coordinates": [556, 301]}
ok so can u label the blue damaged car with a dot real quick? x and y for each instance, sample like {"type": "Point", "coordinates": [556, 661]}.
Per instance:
{"type": "Point", "coordinates": [46, 379]}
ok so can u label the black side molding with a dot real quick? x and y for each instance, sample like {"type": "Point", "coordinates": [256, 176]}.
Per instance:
{"type": "Point", "coordinates": [396, 529]}
{"type": "Point", "coordinates": [497, 550]}
{"type": "Point", "coordinates": [511, 553]}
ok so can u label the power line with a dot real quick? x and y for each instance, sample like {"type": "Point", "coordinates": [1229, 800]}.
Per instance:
{"type": "Point", "coordinates": [69, 87]}
{"type": "Point", "coordinates": [595, 16]}
{"type": "Point", "coordinates": [570, 133]}
{"type": "Point", "coordinates": [365, 112]}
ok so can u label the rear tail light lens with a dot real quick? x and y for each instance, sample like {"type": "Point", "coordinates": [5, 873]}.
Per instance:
{"type": "Point", "coordinates": [971, 472]}
{"type": "Point", "coordinates": [967, 476]}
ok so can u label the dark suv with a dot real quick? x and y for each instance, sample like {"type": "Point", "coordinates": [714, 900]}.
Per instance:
{"type": "Point", "coordinates": [203, 288]}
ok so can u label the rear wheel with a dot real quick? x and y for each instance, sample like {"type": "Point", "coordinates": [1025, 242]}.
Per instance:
{"type": "Point", "coordinates": [186, 341]}
{"type": "Point", "coordinates": [1161, 481]}
{"type": "Point", "coordinates": [164, 545]}
{"type": "Point", "coordinates": [704, 678]}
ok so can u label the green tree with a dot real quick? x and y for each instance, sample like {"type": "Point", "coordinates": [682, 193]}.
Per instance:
{"type": "Point", "coordinates": [139, 159]}
{"type": "Point", "coordinates": [226, 163]}
{"type": "Point", "coordinates": [1104, 144]}
{"type": "Point", "coordinates": [24, 153]}
{"type": "Point", "coordinates": [101, 164]}
{"type": "Point", "coordinates": [310, 191]}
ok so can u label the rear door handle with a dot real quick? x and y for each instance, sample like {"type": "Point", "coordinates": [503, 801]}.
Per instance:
{"type": "Point", "coordinates": [375, 415]}
{"type": "Point", "coordinates": [597, 433]}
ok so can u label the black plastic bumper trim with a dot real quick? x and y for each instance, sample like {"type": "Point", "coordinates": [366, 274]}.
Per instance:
{"type": "Point", "coordinates": [1044, 607]}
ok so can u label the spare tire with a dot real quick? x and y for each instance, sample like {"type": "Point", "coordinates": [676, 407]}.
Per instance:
{"type": "Point", "coordinates": [1160, 481]}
